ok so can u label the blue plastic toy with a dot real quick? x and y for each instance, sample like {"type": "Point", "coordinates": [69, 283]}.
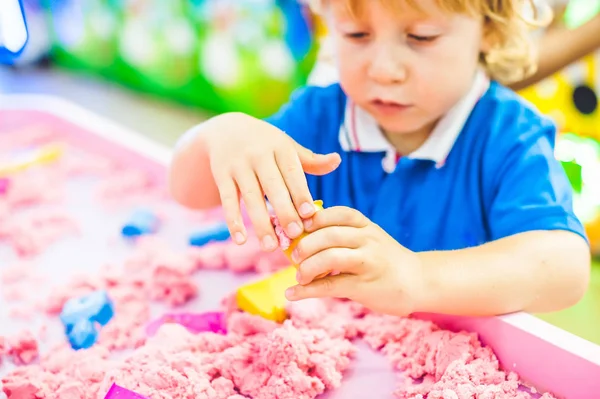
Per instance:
{"type": "Point", "coordinates": [96, 306]}
{"type": "Point", "coordinates": [81, 317]}
{"type": "Point", "coordinates": [83, 335]}
{"type": "Point", "coordinates": [141, 222]}
{"type": "Point", "coordinates": [13, 30]}
{"type": "Point", "coordinates": [211, 233]}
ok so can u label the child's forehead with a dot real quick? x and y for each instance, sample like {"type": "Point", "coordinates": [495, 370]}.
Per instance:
{"type": "Point", "coordinates": [418, 8]}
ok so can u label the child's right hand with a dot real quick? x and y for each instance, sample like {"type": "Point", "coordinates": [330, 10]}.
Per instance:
{"type": "Point", "coordinates": [251, 158]}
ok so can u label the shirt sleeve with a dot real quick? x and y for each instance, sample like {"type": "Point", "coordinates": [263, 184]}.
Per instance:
{"type": "Point", "coordinates": [530, 188]}
{"type": "Point", "coordinates": [297, 117]}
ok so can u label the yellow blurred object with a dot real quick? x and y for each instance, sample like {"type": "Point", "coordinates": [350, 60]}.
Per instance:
{"type": "Point", "coordinates": [570, 97]}
{"type": "Point", "coordinates": [592, 230]}
{"type": "Point", "coordinates": [266, 298]}
{"type": "Point", "coordinates": [41, 156]}
{"type": "Point", "coordinates": [295, 241]}
{"type": "Point", "coordinates": [320, 27]}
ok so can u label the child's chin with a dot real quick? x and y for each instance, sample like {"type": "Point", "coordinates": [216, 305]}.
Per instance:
{"type": "Point", "coordinates": [401, 129]}
{"type": "Point", "coordinates": [405, 126]}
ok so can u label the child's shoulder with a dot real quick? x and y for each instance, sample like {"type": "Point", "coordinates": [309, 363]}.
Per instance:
{"type": "Point", "coordinates": [512, 120]}
{"type": "Point", "coordinates": [511, 136]}
{"type": "Point", "coordinates": [319, 99]}
{"type": "Point", "coordinates": [313, 114]}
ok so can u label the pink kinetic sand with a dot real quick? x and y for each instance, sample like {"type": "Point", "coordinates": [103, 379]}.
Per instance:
{"type": "Point", "coordinates": [31, 188]}
{"type": "Point", "coordinates": [26, 137]}
{"type": "Point", "coordinates": [284, 240]}
{"type": "Point", "coordinates": [30, 233]}
{"type": "Point", "coordinates": [3, 349]}
{"type": "Point", "coordinates": [249, 357]}
{"type": "Point", "coordinates": [127, 187]}
{"type": "Point", "coordinates": [4, 185]}
{"type": "Point", "coordinates": [81, 164]}
{"type": "Point", "coordinates": [23, 349]}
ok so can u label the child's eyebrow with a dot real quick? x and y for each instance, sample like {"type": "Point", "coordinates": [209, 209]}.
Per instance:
{"type": "Point", "coordinates": [422, 18]}
{"type": "Point", "coordinates": [348, 18]}
{"type": "Point", "coordinates": [429, 22]}
{"type": "Point", "coordinates": [343, 13]}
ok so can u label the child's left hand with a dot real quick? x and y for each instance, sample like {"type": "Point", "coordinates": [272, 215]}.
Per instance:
{"type": "Point", "coordinates": [375, 270]}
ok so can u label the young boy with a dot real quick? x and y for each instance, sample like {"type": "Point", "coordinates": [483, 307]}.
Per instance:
{"type": "Point", "coordinates": [441, 187]}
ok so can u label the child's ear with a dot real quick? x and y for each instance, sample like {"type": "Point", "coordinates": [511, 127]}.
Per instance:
{"type": "Point", "coordinates": [488, 37]}
{"type": "Point", "coordinates": [485, 46]}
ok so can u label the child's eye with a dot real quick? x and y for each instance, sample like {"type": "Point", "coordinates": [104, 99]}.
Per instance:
{"type": "Point", "coordinates": [422, 39]}
{"type": "Point", "coordinates": [356, 35]}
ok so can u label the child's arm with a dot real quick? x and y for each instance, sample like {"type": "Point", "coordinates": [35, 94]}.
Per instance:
{"type": "Point", "coordinates": [537, 258]}
{"type": "Point", "coordinates": [560, 47]}
{"type": "Point", "coordinates": [537, 271]}
{"type": "Point", "coordinates": [190, 166]}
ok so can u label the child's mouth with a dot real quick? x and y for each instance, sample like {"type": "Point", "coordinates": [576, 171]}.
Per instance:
{"type": "Point", "coordinates": [388, 106]}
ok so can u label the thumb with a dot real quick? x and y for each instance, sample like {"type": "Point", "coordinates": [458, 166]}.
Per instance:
{"type": "Point", "coordinates": [317, 164]}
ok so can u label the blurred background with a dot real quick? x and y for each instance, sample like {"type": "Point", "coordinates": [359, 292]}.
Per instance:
{"type": "Point", "coordinates": [159, 67]}
{"type": "Point", "coordinates": [180, 59]}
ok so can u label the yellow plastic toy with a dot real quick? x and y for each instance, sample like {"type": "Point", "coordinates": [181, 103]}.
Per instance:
{"type": "Point", "coordinates": [43, 155]}
{"type": "Point", "coordinates": [570, 97]}
{"type": "Point", "coordinates": [295, 241]}
{"type": "Point", "coordinates": [266, 298]}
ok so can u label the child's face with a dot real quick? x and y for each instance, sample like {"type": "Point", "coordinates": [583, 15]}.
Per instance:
{"type": "Point", "coordinates": [406, 69]}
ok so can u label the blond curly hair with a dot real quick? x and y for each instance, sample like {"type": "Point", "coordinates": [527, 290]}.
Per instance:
{"type": "Point", "coordinates": [507, 25]}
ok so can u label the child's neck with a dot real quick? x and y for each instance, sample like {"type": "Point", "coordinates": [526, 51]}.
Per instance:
{"type": "Point", "coordinates": [406, 143]}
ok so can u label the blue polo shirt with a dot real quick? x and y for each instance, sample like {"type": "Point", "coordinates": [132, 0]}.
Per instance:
{"type": "Point", "coordinates": [499, 178]}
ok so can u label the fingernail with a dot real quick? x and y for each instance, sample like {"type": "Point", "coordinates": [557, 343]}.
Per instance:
{"type": "Point", "coordinates": [238, 237]}
{"type": "Point", "coordinates": [306, 209]}
{"type": "Point", "coordinates": [308, 223]}
{"type": "Point", "coordinates": [295, 256]}
{"type": "Point", "coordinates": [289, 293]}
{"type": "Point", "coordinates": [298, 277]}
{"type": "Point", "coordinates": [268, 243]}
{"type": "Point", "coordinates": [294, 229]}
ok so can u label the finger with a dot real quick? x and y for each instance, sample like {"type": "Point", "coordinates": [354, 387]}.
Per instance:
{"type": "Point", "coordinates": [230, 202]}
{"type": "Point", "coordinates": [256, 207]}
{"type": "Point", "coordinates": [336, 216]}
{"type": "Point", "coordinates": [317, 164]}
{"type": "Point", "coordinates": [295, 180]}
{"type": "Point", "coordinates": [328, 237]}
{"type": "Point", "coordinates": [341, 260]}
{"type": "Point", "coordinates": [340, 286]}
{"type": "Point", "coordinates": [276, 190]}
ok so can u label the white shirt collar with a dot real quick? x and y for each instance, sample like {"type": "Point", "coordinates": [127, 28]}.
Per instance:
{"type": "Point", "coordinates": [360, 131]}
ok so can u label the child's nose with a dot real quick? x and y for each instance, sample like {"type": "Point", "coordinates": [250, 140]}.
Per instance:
{"type": "Point", "coordinates": [387, 66]}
